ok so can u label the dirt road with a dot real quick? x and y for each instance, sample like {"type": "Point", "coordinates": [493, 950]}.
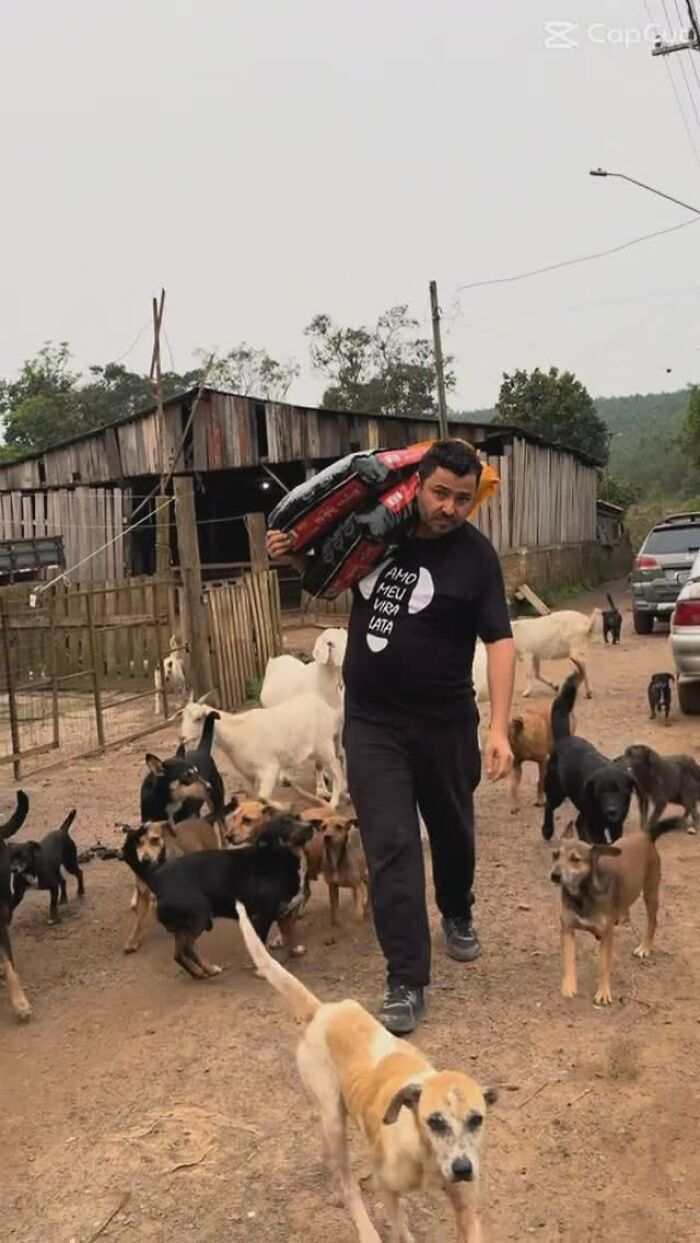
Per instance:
{"type": "Point", "coordinates": [140, 1105]}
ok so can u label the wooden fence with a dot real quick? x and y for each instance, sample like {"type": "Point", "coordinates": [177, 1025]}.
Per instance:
{"type": "Point", "coordinates": [245, 630]}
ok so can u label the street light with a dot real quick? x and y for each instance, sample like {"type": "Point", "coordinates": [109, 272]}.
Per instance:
{"type": "Point", "coordinates": [603, 172]}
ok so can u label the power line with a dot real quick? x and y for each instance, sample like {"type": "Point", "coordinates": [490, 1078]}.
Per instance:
{"type": "Point", "coordinates": [694, 67]}
{"type": "Point", "coordinates": [674, 88]}
{"type": "Point", "coordinates": [569, 263]}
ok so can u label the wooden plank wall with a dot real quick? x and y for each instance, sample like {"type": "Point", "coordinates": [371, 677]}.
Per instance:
{"type": "Point", "coordinates": [87, 518]}
{"type": "Point", "coordinates": [245, 625]}
{"type": "Point", "coordinates": [553, 497]}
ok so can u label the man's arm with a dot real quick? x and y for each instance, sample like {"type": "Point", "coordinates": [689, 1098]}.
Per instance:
{"type": "Point", "coordinates": [500, 659]}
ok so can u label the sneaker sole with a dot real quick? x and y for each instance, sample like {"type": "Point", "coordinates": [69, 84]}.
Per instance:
{"type": "Point", "coordinates": [399, 1028]}
{"type": "Point", "coordinates": [463, 955]}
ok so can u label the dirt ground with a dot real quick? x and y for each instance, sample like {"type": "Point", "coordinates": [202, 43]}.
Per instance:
{"type": "Point", "coordinates": [141, 1105]}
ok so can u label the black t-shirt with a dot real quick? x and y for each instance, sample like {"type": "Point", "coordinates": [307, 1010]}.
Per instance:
{"type": "Point", "coordinates": [414, 623]}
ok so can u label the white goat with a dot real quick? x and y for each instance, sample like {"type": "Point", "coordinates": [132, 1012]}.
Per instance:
{"type": "Point", "coordinates": [287, 676]}
{"type": "Point", "coordinates": [266, 743]}
{"type": "Point", "coordinates": [558, 636]}
{"type": "Point", "coordinates": [480, 673]}
{"type": "Point", "coordinates": [174, 675]}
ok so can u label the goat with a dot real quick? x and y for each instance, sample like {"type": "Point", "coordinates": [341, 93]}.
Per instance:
{"type": "Point", "coordinates": [558, 636]}
{"type": "Point", "coordinates": [266, 743]}
{"type": "Point", "coordinates": [173, 675]}
{"type": "Point", "coordinates": [287, 676]}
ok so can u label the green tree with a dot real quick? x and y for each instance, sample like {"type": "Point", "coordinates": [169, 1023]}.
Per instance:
{"type": "Point", "coordinates": [689, 436]}
{"type": "Point", "coordinates": [387, 369]}
{"type": "Point", "coordinates": [617, 491]}
{"type": "Point", "coordinates": [253, 372]}
{"type": "Point", "coordinates": [555, 405]}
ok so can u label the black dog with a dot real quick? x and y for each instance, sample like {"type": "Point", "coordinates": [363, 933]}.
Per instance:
{"type": "Point", "coordinates": [600, 789]}
{"type": "Point", "coordinates": [18, 1001]}
{"type": "Point", "coordinates": [201, 758]}
{"type": "Point", "coordinates": [172, 790]}
{"type": "Point", "coordinates": [39, 865]}
{"type": "Point", "coordinates": [661, 780]}
{"type": "Point", "coordinates": [612, 622]}
{"type": "Point", "coordinates": [194, 890]}
{"type": "Point", "coordinates": [659, 695]}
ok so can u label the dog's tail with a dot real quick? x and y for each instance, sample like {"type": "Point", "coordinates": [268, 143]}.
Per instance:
{"type": "Point", "coordinates": [300, 1001]}
{"type": "Point", "coordinates": [65, 827]}
{"type": "Point", "coordinates": [564, 704]}
{"type": "Point", "coordinates": [17, 818]}
{"type": "Point", "coordinates": [611, 602]}
{"type": "Point", "coordinates": [207, 738]}
{"type": "Point", "coordinates": [666, 826]}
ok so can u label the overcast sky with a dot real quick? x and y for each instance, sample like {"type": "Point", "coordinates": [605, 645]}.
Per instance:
{"type": "Point", "coordinates": [269, 159]}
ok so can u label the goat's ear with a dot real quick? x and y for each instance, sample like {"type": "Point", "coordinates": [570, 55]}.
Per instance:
{"type": "Point", "coordinates": [155, 765]}
{"type": "Point", "coordinates": [408, 1096]}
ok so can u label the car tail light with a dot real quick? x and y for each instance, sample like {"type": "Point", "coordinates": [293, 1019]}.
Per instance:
{"type": "Point", "coordinates": [687, 613]}
{"type": "Point", "coordinates": [646, 563]}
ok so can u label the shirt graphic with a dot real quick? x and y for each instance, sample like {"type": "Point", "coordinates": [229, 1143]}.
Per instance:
{"type": "Point", "coordinates": [393, 592]}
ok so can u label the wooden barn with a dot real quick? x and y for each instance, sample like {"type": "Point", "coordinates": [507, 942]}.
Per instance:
{"type": "Point", "coordinates": [231, 461]}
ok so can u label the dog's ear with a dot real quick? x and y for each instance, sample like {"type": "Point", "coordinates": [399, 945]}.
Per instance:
{"type": "Point", "coordinates": [180, 753]}
{"type": "Point", "coordinates": [408, 1096]}
{"type": "Point", "coordinates": [490, 1095]}
{"type": "Point", "coordinates": [569, 834]}
{"type": "Point", "coordinates": [156, 766]}
{"type": "Point", "coordinates": [599, 851]}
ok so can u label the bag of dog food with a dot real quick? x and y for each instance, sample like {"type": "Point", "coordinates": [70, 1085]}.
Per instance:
{"type": "Point", "coordinates": [357, 543]}
{"type": "Point", "coordinates": [312, 508]}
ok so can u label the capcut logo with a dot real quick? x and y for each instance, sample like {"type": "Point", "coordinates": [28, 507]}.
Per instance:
{"type": "Point", "coordinates": [563, 36]}
{"type": "Point", "coordinates": [560, 36]}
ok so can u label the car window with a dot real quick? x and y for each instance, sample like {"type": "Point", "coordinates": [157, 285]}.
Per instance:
{"type": "Point", "coordinates": [673, 539]}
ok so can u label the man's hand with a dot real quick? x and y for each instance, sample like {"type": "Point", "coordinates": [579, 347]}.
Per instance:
{"type": "Point", "coordinates": [498, 755]}
{"type": "Point", "coordinates": [279, 544]}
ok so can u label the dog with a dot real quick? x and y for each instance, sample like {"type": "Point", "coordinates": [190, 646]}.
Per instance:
{"type": "Point", "coordinates": [202, 760]}
{"type": "Point", "coordinates": [162, 841]}
{"type": "Point", "coordinates": [422, 1127]}
{"type": "Point", "coordinates": [530, 737]}
{"type": "Point", "coordinates": [172, 790]}
{"type": "Point", "coordinates": [40, 865]}
{"type": "Point", "coordinates": [195, 889]}
{"type": "Point", "coordinates": [8, 972]}
{"type": "Point", "coordinates": [659, 695]}
{"type": "Point", "coordinates": [598, 886]}
{"type": "Point", "coordinates": [600, 789]}
{"type": "Point", "coordinates": [336, 849]}
{"type": "Point", "coordinates": [661, 780]}
{"type": "Point", "coordinates": [612, 622]}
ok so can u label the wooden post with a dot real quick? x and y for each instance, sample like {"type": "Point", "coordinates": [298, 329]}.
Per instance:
{"type": "Point", "coordinates": [195, 617]}
{"type": "Point", "coordinates": [256, 526]}
{"type": "Point", "coordinates": [161, 666]}
{"type": "Point", "coordinates": [162, 509]}
{"type": "Point", "coordinates": [439, 361]}
{"type": "Point", "coordinates": [11, 698]}
{"type": "Point", "coordinates": [96, 679]}
{"type": "Point", "coordinates": [54, 672]}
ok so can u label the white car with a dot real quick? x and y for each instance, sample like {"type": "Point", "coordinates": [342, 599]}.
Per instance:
{"type": "Point", "coordinates": [685, 641]}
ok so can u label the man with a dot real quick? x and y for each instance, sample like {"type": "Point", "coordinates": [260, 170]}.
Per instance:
{"type": "Point", "coordinates": [411, 722]}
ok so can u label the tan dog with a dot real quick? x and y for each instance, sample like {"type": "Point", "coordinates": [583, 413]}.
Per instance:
{"type": "Point", "coordinates": [598, 885]}
{"type": "Point", "coordinates": [249, 819]}
{"type": "Point", "coordinates": [336, 852]}
{"type": "Point", "coordinates": [160, 842]}
{"type": "Point", "coordinates": [423, 1128]}
{"type": "Point", "coordinates": [530, 737]}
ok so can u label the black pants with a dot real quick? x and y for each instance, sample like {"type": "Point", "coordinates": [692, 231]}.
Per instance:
{"type": "Point", "coordinates": [391, 769]}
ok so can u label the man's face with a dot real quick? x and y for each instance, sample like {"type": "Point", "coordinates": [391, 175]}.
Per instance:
{"type": "Point", "coordinates": [444, 501]}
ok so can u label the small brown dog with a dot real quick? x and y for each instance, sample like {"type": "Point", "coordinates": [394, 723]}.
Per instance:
{"type": "Point", "coordinates": [530, 737]}
{"type": "Point", "coordinates": [598, 886]}
{"type": "Point", "coordinates": [337, 853]}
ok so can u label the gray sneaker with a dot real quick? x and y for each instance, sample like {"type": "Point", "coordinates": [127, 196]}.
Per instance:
{"type": "Point", "coordinates": [402, 1009]}
{"type": "Point", "coordinates": [461, 941]}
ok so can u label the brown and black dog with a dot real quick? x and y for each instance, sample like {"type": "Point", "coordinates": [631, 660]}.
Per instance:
{"type": "Point", "coordinates": [530, 737]}
{"type": "Point", "coordinates": [336, 848]}
{"type": "Point", "coordinates": [598, 886]}
{"type": "Point", "coordinates": [13, 984]}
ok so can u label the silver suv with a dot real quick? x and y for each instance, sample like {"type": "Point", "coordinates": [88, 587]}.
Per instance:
{"type": "Point", "coordinates": [685, 641]}
{"type": "Point", "coordinates": [661, 568]}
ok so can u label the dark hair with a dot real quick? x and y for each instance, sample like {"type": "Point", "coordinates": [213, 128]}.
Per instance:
{"type": "Point", "coordinates": [455, 455]}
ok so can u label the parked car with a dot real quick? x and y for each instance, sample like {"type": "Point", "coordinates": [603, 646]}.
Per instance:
{"type": "Point", "coordinates": [685, 641]}
{"type": "Point", "coordinates": [662, 567]}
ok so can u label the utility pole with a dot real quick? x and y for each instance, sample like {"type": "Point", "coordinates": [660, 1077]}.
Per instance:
{"type": "Point", "coordinates": [691, 44]}
{"type": "Point", "coordinates": [439, 362]}
{"type": "Point", "coordinates": [162, 509]}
